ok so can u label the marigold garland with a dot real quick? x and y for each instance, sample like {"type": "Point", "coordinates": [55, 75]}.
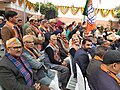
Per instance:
{"type": "Point", "coordinates": [13, 1]}
{"type": "Point", "coordinates": [114, 13]}
{"type": "Point", "coordinates": [96, 11]}
{"type": "Point", "coordinates": [26, 3]}
{"type": "Point", "coordinates": [29, 5]}
{"type": "Point", "coordinates": [64, 9]}
{"type": "Point", "coordinates": [82, 10]}
{"type": "Point", "coordinates": [104, 12]}
{"type": "Point", "coordinates": [20, 2]}
{"type": "Point", "coordinates": [74, 10]}
{"type": "Point", "coordinates": [57, 7]}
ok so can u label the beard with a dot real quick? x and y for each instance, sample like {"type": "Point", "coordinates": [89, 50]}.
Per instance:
{"type": "Point", "coordinates": [87, 49]}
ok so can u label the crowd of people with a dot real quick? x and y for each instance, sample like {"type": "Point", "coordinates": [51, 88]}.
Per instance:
{"type": "Point", "coordinates": [38, 54]}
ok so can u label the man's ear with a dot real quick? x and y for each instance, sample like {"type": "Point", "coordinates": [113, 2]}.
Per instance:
{"type": "Point", "coordinates": [83, 45]}
{"type": "Point", "coordinates": [8, 49]}
{"type": "Point", "coordinates": [24, 43]}
{"type": "Point", "coordinates": [10, 19]}
{"type": "Point", "coordinates": [114, 65]}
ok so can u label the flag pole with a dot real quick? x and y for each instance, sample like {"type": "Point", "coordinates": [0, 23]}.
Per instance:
{"type": "Point", "coordinates": [97, 9]}
{"type": "Point", "coordinates": [24, 11]}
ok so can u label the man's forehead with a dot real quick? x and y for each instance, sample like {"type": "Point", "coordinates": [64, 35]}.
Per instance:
{"type": "Point", "coordinates": [88, 42]}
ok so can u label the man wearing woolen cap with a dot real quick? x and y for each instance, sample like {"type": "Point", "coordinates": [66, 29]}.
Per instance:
{"type": "Point", "coordinates": [15, 72]}
{"type": "Point", "coordinates": [106, 78]}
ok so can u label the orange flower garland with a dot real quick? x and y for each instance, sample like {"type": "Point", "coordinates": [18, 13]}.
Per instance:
{"type": "Point", "coordinates": [26, 3]}
{"type": "Point", "coordinates": [58, 7]}
{"type": "Point", "coordinates": [74, 10]}
{"type": "Point", "coordinates": [82, 9]}
{"type": "Point", "coordinates": [104, 12]}
{"type": "Point", "coordinates": [96, 11]}
{"type": "Point", "coordinates": [13, 1]}
{"type": "Point", "coordinates": [64, 9]}
{"type": "Point", "coordinates": [29, 5]}
{"type": "Point", "coordinates": [114, 13]}
{"type": "Point", "coordinates": [20, 2]}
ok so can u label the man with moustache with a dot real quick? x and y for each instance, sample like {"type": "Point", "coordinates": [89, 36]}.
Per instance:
{"type": "Point", "coordinates": [15, 72]}
{"type": "Point", "coordinates": [82, 57]}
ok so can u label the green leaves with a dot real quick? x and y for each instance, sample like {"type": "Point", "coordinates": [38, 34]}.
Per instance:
{"type": "Point", "coordinates": [45, 7]}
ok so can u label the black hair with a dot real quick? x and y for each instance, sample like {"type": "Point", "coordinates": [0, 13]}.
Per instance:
{"type": "Point", "coordinates": [86, 39]}
{"type": "Point", "coordinates": [31, 20]}
{"type": "Point", "coordinates": [83, 22]}
{"type": "Point", "coordinates": [10, 14]}
{"type": "Point", "coordinates": [73, 22]}
{"type": "Point", "coordinates": [69, 26]}
{"type": "Point", "coordinates": [98, 27]}
{"type": "Point", "coordinates": [101, 50]}
{"type": "Point", "coordinates": [19, 20]}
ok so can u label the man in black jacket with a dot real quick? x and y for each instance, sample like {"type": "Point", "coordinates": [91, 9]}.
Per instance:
{"type": "Point", "coordinates": [82, 57]}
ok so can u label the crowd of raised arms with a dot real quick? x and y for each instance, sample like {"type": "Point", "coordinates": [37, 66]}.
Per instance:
{"type": "Point", "coordinates": [50, 55]}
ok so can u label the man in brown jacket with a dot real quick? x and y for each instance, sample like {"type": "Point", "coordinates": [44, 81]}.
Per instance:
{"type": "Point", "coordinates": [10, 30]}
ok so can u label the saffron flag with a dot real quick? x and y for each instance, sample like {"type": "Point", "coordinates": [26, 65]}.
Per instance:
{"type": "Point", "coordinates": [89, 12]}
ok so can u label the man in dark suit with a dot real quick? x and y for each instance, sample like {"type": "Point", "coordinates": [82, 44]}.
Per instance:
{"type": "Point", "coordinates": [82, 57]}
{"type": "Point", "coordinates": [106, 77]}
{"type": "Point", "coordinates": [95, 63]}
{"type": "Point", "coordinates": [15, 72]}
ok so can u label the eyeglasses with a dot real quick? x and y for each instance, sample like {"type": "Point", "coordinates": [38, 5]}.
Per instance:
{"type": "Point", "coordinates": [30, 42]}
{"type": "Point", "coordinates": [16, 48]}
{"type": "Point", "coordinates": [73, 39]}
{"type": "Point", "coordinates": [54, 39]}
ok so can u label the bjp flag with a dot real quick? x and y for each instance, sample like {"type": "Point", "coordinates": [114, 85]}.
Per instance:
{"type": "Point", "coordinates": [89, 12]}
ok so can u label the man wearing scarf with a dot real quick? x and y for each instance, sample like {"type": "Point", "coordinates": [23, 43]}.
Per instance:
{"type": "Point", "coordinates": [95, 63]}
{"type": "Point", "coordinates": [36, 60]}
{"type": "Point", "coordinates": [106, 78]}
{"type": "Point", "coordinates": [10, 29]}
{"type": "Point", "coordinates": [55, 62]}
{"type": "Point", "coordinates": [34, 30]}
{"type": "Point", "coordinates": [15, 72]}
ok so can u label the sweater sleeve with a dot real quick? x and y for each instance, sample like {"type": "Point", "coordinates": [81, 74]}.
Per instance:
{"type": "Point", "coordinates": [9, 82]}
{"type": "Point", "coordinates": [50, 53]}
{"type": "Point", "coordinates": [72, 52]}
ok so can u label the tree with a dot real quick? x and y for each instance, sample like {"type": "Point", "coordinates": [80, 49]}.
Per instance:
{"type": "Point", "coordinates": [46, 7]}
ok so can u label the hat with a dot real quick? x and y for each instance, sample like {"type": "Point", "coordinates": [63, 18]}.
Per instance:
{"type": "Point", "coordinates": [13, 42]}
{"type": "Point", "coordinates": [112, 56]}
{"type": "Point", "coordinates": [111, 37]}
{"type": "Point", "coordinates": [78, 32]}
{"type": "Point", "coordinates": [53, 20]}
{"type": "Point", "coordinates": [33, 18]}
{"type": "Point", "coordinates": [28, 38]}
{"type": "Point", "coordinates": [1, 17]}
{"type": "Point", "coordinates": [98, 25]}
{"type": "Point", "coordinates": [57, 31]}
{"type": "Point", "coordinates": [44, 21]}
{"type": "Point", "coordinates": [74, 36]}
{"type": "Point", "coordinates": [53, 36]}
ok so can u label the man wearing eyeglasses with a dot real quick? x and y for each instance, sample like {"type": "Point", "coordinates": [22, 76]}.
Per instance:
{"type": "Point", "coordinates": [36, 60]}
{"type": "Point", "coordinates": [15, 72]}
